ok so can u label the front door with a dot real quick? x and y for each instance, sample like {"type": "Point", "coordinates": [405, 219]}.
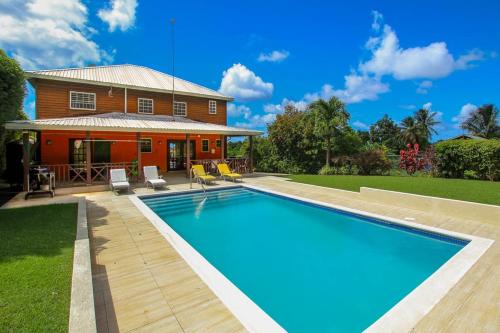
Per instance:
{"type": "Point", "coordinates": [177, 154]}
{"type": "Point", "coordinates": [101, 152]}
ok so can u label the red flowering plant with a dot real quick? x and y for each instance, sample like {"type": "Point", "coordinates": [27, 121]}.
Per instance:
{"type": "Point", "coordinates": [409, 159]}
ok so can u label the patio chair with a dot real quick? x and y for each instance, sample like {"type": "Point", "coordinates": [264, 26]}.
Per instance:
{"type": "Point", "coordinates": [226, 173]}
{"type": "Point", "coordinates": [200, 175]}
{"type": "Point", "coordinates": [118, 180]}
{"type": "Point", "coordinates": [151, 177]}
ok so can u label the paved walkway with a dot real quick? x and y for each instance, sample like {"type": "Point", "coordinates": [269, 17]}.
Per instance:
{"type": "Point", "coordinates": [142, 284]}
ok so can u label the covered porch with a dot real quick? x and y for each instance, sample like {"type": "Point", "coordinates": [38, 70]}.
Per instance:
{"type": "Point", "coordinates": [81, 151]}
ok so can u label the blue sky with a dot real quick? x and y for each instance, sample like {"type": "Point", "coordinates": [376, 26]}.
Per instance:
{"type": "Point", "coordinates": [390, 57]}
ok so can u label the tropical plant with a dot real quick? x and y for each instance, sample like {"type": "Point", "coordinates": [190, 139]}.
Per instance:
{"type": "Point", "coordinates": [409, 159]}
{"type": "Point", "coordinates": [12, 91]}
{"type": "Point", "coordinates": [330, 118]}
{"type": "Point", "coordinates": [410, 132]}
{"type": "Point", "coordinates": [426, 122]}
{"type": "Point", "coordinates": [385, 131]}
{"type": "Point", "coordinates": [373, 162]}
{"type": "Point", "coordinates": [483, 122]}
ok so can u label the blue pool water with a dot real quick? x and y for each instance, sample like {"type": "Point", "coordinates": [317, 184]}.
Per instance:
{"type": "Point", "coordinates": [311, 268]}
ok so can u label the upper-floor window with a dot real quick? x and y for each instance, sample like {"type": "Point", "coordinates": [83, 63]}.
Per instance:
{"type": "Point", "coordinates": [204, 145]}
{"type": "Point", "coordinates": [81, 100]}
{"type": "Point", "coordinates": [146, 145]}
{"type": "Point", "coordinates": [212, 107]}
{"type": "Point", "coordinates": [145, 105]}
{"type": "Point", "coordinates": [180, 109]}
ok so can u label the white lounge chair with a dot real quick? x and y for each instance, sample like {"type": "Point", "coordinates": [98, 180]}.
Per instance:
{"type": "Point", "coordinates": [118, 180]}
{"type": "Point", "coordinates": [151, 177]}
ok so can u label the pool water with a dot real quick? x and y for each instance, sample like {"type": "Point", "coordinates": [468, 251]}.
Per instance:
{"type": "Point", "coordinates": [311, 268]}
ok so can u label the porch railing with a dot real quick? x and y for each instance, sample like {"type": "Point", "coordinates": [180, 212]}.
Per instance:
{"type": "Point", "coordinates": [238, 165]}
{"type": "Point", "coordinates": [76, 174]}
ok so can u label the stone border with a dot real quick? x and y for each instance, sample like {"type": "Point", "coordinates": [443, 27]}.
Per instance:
{"type": "Point", "coordinates": [82, 310]}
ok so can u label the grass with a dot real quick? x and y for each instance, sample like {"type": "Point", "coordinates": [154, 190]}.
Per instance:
{"type": "Point", "coordinates": [460, 189]}
{"type": "Point", "coordinates": [36, 262]}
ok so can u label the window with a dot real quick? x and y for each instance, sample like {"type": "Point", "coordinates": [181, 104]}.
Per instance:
{"type": "Point", "coordinates": [204, 145]}
{"type": "Point", "coordinates": [217, 143]}
{"type": "Point", "coordinates": [77, 151]}
{"type": "Point", "coordinates": [81, 100]}
{"type": "Point", "coordinates": [212, 107]}
{"type": "Point", "coordinates": [180, 109]}
{"type": "Point", "coordinates": [145, 105]}
{"type": "Point", "coordinates": [146, 145]}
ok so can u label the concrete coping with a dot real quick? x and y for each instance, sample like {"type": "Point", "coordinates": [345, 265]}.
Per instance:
{"type": "Point", "coordinates": [82, 310]}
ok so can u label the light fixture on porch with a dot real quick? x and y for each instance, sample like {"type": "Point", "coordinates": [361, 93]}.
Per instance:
{"type": "Point", "coordinates": [78, 143]}
{"type": "Point", "coordinates": [48, 142]}
{"type": "Point", "coordinates": [110, 92]}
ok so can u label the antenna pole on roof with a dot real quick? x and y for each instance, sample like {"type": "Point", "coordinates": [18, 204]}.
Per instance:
{"type": "Point", "coordinates": [172, 21]}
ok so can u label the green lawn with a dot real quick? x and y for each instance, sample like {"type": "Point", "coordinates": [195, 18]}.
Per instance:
{"type": "Point", "coordinates": [469, 190]}
{"type": "Point", "coordinates": [36, 262]}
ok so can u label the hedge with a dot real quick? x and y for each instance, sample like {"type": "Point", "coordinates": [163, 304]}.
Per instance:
{"type": "Point", "coordinates": [478, 159]}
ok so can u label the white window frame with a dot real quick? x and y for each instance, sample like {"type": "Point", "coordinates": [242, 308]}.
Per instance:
{"type": "Point", "coordinates": [210, 102]}
{"type": "Point", "coordinates": [208, 146]}
{"type": "Point", "coordinates": [82, 92]}
{"type": "Point", "coordinates": [139, 99]}
{"type": "Point", "coordinates": [185, 108]}
{"type": "Point", "coordinates": [151, 145]}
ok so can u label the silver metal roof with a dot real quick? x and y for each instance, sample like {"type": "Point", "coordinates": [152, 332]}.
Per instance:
{"type": "Point", "coordinates": [127, 76]}
{"type": "Point", "coordinates": [129, 122]}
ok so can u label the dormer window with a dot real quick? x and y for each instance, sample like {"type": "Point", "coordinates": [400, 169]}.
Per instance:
{"type": "Point", "coordinates": [145, 105]}
{"type": "Point", "coordinates": [180, 109]}
{"type": "Point", "coordinates": [212, 107]}
{"type": "Point", "coordinates": [81, 100]}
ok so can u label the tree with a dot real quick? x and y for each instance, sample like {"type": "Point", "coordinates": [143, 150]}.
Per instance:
{"type": "Point", "coordinates": [12, 91]}
{"type": "Point", "coordinates": [410, 133]}
{"type": "Point", "coordinates": [386, 132]}
{"type": "Point", "coordinates": [426, 121]}
{"type": "Point", "coordinates": [330, 117]}
{"type": "Point", "coordinates": [483, 122]}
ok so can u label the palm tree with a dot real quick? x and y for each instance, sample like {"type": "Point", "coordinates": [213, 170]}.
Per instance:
{"type": "Point", "coordinates": [410, 132]}
{"type": "Point", "coordinates": [330, 117]}
{"type": "Point", "coordinates": [483, 122]}
{"type": "Point", "coordinates": [426, 120]}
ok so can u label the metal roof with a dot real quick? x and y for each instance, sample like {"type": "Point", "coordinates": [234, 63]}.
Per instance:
{"type": "Point", "coordinates": [129, 122]}
{"type": "Point", "coordinates": [127, 76]}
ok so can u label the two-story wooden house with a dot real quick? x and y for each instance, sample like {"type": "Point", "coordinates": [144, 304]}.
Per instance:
{"type": "Point", "coordinates": [97, 118]}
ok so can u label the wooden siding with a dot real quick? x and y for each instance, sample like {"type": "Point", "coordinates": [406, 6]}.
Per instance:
{"type": "Point", "coordinates": [52, 101]}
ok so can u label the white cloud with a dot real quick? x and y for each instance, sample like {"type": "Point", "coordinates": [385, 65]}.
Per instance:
{"type": "Point", "coordinates": [48, 33]}
{"type": "Point", "coordinates": [274, 56]}
{"type": "Point", "coordinates": [120, 14]}
{"type": "Point", "coordinates": [424, 86]}
{"type": "Point", "coordinates": [237, 111]}
{"type": "Point", "coordinates": [427, 106]}
{"type": "Point", "coordinates": [360, 125]}
{"type": "Point", "coordinates": [358, 88]}
{"type": "Point", "coordinates": [242, 84]}
{"type": "Point", "coordinates": [377, 20]}
{"type": "Point", "coordinates": [257, 120]}
{"type": "Point", "coordinates": [428, 62]}
{"type": "Point", "coordinates": [465, 112]}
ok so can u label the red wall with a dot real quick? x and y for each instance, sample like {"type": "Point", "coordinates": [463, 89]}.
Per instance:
{"type": "Point", "coordinates": [55, 146]}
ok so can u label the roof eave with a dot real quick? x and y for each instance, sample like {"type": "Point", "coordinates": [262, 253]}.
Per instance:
{"type": "Point", "coordinates": [24, 125]}
{"type": "Point", "coordinates": [31, 75]}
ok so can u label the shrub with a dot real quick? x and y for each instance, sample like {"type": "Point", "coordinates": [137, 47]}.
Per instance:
{"type": "Point", "coordinates": [373, 162]}
{"type": "Point", "coordinates": [327, 171]}
{"type": "Point", "coordinates": [455, 157]}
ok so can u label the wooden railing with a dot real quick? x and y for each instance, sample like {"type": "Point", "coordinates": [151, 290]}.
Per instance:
{"type": "Point", "coordinates": [76, 174]}
{"type": "Point", "coordinates": [238, 165]}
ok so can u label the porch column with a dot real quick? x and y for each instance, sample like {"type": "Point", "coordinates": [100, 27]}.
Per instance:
{"type": "Point", "coordinates": [222, 147]}
{"type": "Point", "coordinates": [250, 153]}
{"type": "Point", "coordinates": [26, 159]}
{"type": "Point", "coordinates": [188, 157]}
{"type": "Point", "coordinates": [88, 159]}
{"type": "Point", "coordinates": [139, 164]}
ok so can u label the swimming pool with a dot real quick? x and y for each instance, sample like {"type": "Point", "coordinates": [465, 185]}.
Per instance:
{"type": "Point", "coordinates": [309, 267]}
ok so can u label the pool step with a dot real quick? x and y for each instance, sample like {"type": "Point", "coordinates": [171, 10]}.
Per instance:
{"type": "Point", "coordinates": [168, 201]}
{"type": "Point", "coordinates": [200, 195]}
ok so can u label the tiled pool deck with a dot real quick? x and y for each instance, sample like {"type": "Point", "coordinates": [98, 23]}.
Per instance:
{"type": "Point", "coordinates": [141, 284]}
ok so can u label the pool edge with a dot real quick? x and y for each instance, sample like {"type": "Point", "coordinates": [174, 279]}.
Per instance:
{"type": "Point", "coordinates": [401, 317]}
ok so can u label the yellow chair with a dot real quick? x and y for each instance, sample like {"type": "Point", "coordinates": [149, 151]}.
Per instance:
{"type": "Point", "coordinates": [226, 173]}
{"type": "Point", "coordinates": [200, 175]}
